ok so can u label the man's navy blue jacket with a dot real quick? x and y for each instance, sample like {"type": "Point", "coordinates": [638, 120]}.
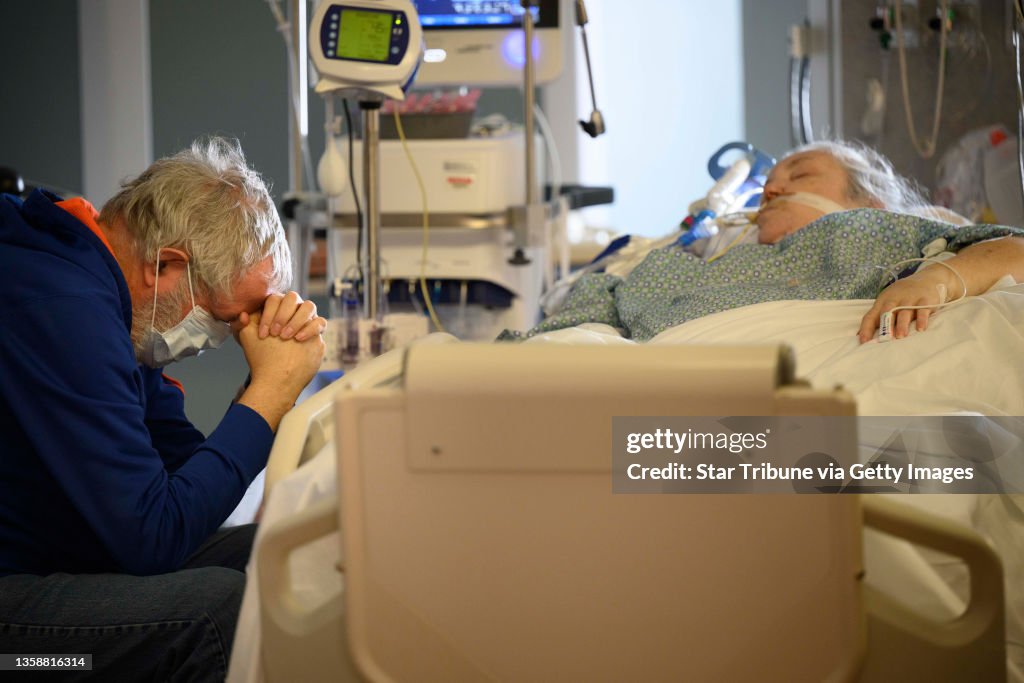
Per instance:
{"type": "Point", "coordinates": [100, 471]}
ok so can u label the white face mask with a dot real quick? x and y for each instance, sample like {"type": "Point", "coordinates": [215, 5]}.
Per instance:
{"type": "Point", "coordinates": [197, 332]}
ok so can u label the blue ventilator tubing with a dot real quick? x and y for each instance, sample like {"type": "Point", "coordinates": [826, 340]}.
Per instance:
{"type": "Point", "coordinates": [703, 226]}
{"type": "Point", "coordinates": [761, 163]}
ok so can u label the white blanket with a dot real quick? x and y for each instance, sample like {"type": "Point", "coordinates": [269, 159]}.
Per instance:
{"type": "Point", "coordinates": [969, 360]}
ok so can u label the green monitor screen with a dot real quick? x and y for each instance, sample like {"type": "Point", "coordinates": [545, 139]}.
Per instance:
{"type": "Point", "coordinates": [364, 35]}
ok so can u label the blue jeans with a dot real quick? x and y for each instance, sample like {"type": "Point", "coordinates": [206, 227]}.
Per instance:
{"type": "Point", "coordinates": [171, 627]}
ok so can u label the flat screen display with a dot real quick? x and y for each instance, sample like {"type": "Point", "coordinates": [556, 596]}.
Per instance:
{"type": "Point", "coordinates": [435, 14]}
{"type": "Point", "coordinates": [364, 35]}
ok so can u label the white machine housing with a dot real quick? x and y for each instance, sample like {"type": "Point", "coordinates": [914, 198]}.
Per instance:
{"type": "Point", "coordinates": [470, 185]}
{"type": "Point", "coordinates": [466, 176]}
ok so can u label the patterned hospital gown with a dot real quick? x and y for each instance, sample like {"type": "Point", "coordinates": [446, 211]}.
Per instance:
{"type": "Point", "coordinates": [844, 255]}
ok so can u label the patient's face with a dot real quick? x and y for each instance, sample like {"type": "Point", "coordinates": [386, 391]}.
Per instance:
{"type": "Point", "coordinates": [815, 172]}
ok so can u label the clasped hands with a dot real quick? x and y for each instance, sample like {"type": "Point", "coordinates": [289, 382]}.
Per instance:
{"type": "Point", "coordinates": [267, 339]}
{"type": "Point", "coordinates": [286, 316]}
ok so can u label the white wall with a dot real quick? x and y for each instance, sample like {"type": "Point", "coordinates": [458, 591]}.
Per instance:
{"type": "Point", "coordinates": [669, 80]}
{"type": "Point", "coordinates": [117, 120]}
{"type": "Point", "coordinates": [766, 70]}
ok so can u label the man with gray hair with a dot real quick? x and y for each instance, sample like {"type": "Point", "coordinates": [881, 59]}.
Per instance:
{"type": "Point", "coordinates": [110, 500]}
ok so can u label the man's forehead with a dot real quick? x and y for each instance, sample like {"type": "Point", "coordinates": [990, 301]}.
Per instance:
{"type": "Point", "coordinates": [249, 292]}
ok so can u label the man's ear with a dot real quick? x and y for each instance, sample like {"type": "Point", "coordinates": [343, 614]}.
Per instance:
{"type": "Point", "coordinates": [173, 265]}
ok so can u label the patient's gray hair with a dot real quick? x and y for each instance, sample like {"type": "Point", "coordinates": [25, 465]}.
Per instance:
{"type": "Point", "coordinates": [208, 202]}
{"type": "Point", "coordinates": [871, 176]}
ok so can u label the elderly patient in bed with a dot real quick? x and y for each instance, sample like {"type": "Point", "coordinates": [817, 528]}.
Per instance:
{"type": "Point", "coordinates": [835, 222]}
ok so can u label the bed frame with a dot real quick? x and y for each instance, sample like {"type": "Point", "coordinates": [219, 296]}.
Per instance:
{"type": "Point", "coordinates": [481, 540]}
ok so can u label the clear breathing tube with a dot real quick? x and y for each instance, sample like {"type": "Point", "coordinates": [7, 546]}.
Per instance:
{"type": "Point", "coordinates": [718, 200]}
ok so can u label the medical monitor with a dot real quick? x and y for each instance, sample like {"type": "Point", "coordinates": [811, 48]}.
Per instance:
{"type": "Point", "coordinates": [480, 42]}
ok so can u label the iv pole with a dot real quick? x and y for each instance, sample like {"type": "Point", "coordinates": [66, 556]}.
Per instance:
{"type": "Point", "coordinates": [529, 220]}
{"type": "Point", "coordinates": [529, 85]}
{"type": "Point", "coordinates": [371, 217]}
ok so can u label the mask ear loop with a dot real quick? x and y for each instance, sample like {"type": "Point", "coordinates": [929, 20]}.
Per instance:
{"type": "Point", "coordinates": [156, 282]}
{"type": "Point", "coordinates": [188, 268]}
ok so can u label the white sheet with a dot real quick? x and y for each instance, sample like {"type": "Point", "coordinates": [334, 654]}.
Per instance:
{"type": "Point", "coordinates": [911, 376]}
{"type": "Point", "coordinates": [314, 579]}
{"type": "Point", "coordinates": [969, 360]}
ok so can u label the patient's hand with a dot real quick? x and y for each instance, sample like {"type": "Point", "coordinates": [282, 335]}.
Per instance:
{"type": "Point", "coordinates": [925, 288]}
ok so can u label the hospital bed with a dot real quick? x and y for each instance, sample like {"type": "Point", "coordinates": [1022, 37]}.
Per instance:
{"type": "Point", "coordinates": [476, 550]}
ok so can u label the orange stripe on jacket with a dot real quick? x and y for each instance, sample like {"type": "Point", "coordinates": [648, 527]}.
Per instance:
{"type": "Point", "coordinates": [87, 214]}
{"type": "Point", "coordinates": [175, 383]}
